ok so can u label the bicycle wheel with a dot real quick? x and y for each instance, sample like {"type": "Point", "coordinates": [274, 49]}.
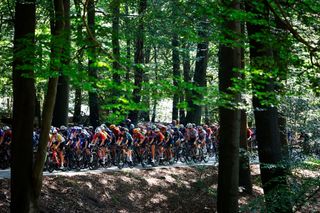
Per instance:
{"type": "Point", "coordinates": [121, 159]}
{"type": "Point", "coordinates": [94, 160]}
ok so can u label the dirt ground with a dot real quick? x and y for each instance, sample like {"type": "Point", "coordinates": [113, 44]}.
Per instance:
{"type": "Point", "coordinates": [188, 189]}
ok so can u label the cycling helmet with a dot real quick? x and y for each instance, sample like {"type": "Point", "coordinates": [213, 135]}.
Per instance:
{"type": "Point", "coordinates": [157, 130]}
{"type": "Point", "coordinates": [112, 126]}
{"type": "Point", "coordinates": [136, 130]}
{"type": "Point", "coordinates": [5, 128]}
{"type": "Point", "coordinates": [63, 128]}
{"type": "Point", "coordinates": [189, 125]}
{"type": "Point", "coordinates": [98, 129]}
{"type": "Point", "coordinates": [131, 126]}
{"type": "Point", "coordinates": [153, 127]}
{"type": "Point", "coordinates": [163, 128]}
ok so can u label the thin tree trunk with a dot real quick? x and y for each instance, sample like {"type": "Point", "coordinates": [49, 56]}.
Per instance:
{"type": "Point", "coordinates": [195, 108]}
{"type": "Point", "coordinates": [128, 44]}
{"type": "Point", "coordinates": [115, 8]}
{"type": "Point", "coordinates": [61, 109]}
{"type": "Point", "coordinates": [77, 106]}
{"type": "Point", "coordinates": [79, 42]}
{"type": "Point", "coordinates": [49, 102]}
{"type": "Point", "coordinates": [176, 75]}
{"type": "Point", "coordinates": [187, 79]}
{"type": "Point", "coordinates": [93, 96]}
{"type": "Point", "coordinates": [154, 110]}
{"type": "Point", "coordinates": [23, 106]}
{"type": "Point", "coordinates": [244, 161]}
{"type": "Point", "coordinates": [145, 114]}
{"type": "Point", "coordinates": [138, 60]}
{"type": "Point", "coordinates": [229, 59]}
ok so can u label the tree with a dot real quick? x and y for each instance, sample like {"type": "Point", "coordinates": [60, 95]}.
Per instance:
{"type": "Point", "coordinates": [23, 105]}
{"type": "Point", "coordinates": [79, 42]}
{"type": "Point", "coordinates": [138, 60]}
{"type": "Point", "coordinates": [229, 64]}
{"type": "Point", "coordinates": [265, 110]}
{"type": "Point", "coordinates": [176, 75]}
{"type": "Point", "coordinates": [61, 109]}
{"type": "Point", "coordinates": [195, 108]}
{"type": "Point", "coordinates": [57, 28]}
{"type": "Point", "coordinates": [93, 96]}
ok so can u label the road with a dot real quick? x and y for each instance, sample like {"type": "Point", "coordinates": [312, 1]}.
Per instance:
{"type": "Point", "coordinates": [5, 174]}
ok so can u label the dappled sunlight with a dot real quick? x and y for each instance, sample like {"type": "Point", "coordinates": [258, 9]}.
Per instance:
{"type": "Point", "coordinates": [306, 173]}
{"type": "Point", "coordinates": [158, 198]}
{"type": "Point", "coordinates": [89, 185]}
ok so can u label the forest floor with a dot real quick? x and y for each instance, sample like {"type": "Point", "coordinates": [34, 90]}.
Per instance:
{"type": "Point", "coordinates": [179, 189]}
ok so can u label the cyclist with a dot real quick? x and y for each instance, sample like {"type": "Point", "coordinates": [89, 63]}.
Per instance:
{"type": "Point", "coordinates": [150, 139]}
{"type": "Point", "coordinates": [202, 136]}
{"type": "Point", "coordinates": [138, 137]}
{"type": "Point", "coordinates": [56, 143]}
{"type": "Point", "coordinates": [99, 139]}
{"type": "Point", "coordinates": [191, 136]}
{"type": "Point", "coordinates": [126, 141]}
{"type": "Point", "coordinates": [158, 140]}
{"type": "Point", "coordinates": [167, 142]}
{"type": "Point", "coordinates": [177, 136]}
{"type": "Point", "coordinates": [1, 136]}
{"type": "Point", "coordinates": [7, 135]}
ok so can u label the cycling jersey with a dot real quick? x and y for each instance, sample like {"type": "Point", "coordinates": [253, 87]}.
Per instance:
{"type": "Point", "coordinates": [202, 134]}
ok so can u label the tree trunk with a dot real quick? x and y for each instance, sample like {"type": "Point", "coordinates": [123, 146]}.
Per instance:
{"type": "Point", "coordinates": [154, 110]}
{"type": "Point", "coordinates": [23, 106]}
{"type": "Point", "coordinates": [145, 114]}
{"type": "Point", "coordinates": [77, 106]}
{"type": "Point", "coordinates": [229, 59]}
{"type": "Point", "coordinates": [128, 44]}
{"type": "Point", "coordinates": [61, 109]}
{"type": "Point", "coordinates": [79, 42]}
{"type": "Point", "coordinates": [37, 112]}
{"type": "Point", "coordinates": [195, 108]}
{"type": "Point", "coordinates": [115, 8]}
{"type": "Point", "coordinates": [244, 161]}
{"type": "Point", "coordinates": [187, 79]}
{"type": "Point", "coordinates": [93, 96]}
{"type": "Point", "coordinates": [138, 60]}
{"type": "Point", "coordinates": [266, 115]}
{"type": "Point", "coordinates": [49, 102]}
{"type": "Point", "coordinates": [176, 75]}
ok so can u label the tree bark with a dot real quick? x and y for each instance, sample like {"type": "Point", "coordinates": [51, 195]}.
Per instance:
{"type": "Point", "coordinates": [138, 60]}
{"type": "Point", "coordinates": [57, 27]}
{"type": "Point", "coordinates": [244, 161]}
{"type": "Point", "coordinates": [61, 109]}
{"type": "Point", "coordinates": [115, 8]}
{"type": "Point", "coordinates": [154, 109]}
{"type": "Point", "coordinates": [79, 42]}
{"type": "Point", "coordinates": [93, 96]}
{"type": "Point", "coordinates": [266, 115]}
{"type": "Point", "coordinates": [187, 79]}
{"type": "Point", "coordinates": [176, 75]}
{"type": "Point", "coordinates": [195, 108]}
{"type": "Point", "coordinates": [23, 106]}
{"type": "Point", "coordinates": [128, 44]}
{"type": "Point", "coordinates": [229, 59]}
{"type": "Point", "coordinates": [77, 106]}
